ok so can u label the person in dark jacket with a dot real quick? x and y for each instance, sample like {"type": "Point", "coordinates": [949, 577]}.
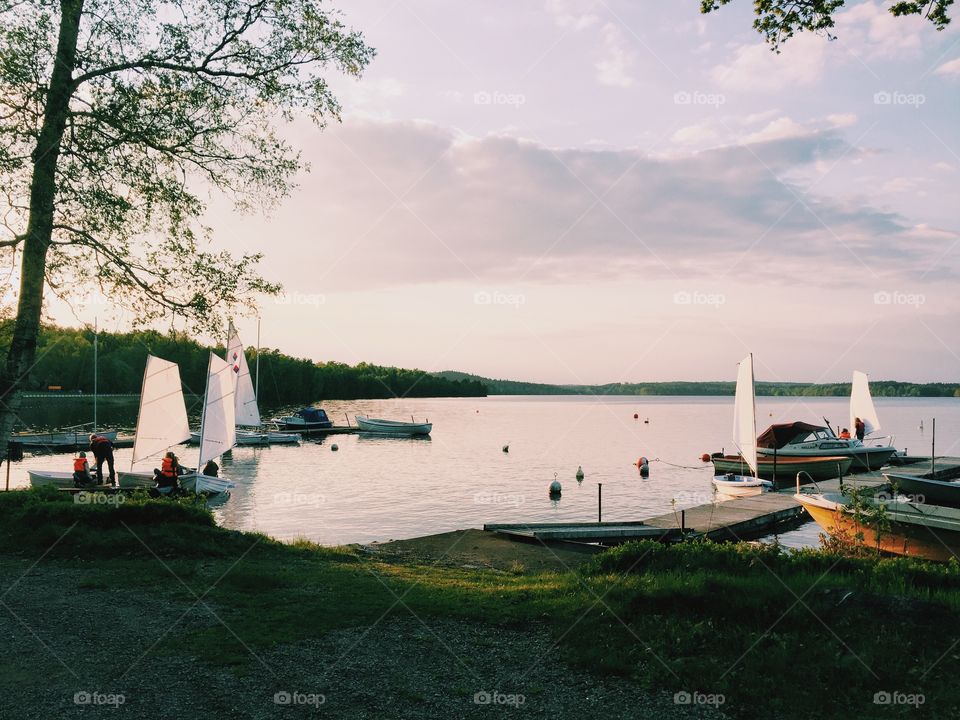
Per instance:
{"type": "Point", "coordinates": [102, 450]}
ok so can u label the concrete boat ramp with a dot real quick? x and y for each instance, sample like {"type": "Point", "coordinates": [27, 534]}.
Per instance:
{"type": "Point", "coordinates": [738, 519]}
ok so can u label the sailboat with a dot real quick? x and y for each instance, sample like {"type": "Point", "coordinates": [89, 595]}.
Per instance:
{"type": "Point", "coordinates": [218, 430]}
{"type": "Point", "coordinates": [161, 424]}
{"type": "Point", "coordinates": [161, 420]}
{"type": "Point", "coordinates": [247, 412]}
{"type": "Point", "coordinates": [802, 440]}
{"type": "Point", "coordinates": [744, 437]}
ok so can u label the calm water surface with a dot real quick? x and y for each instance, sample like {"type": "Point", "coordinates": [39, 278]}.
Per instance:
{"type": "Point", "coordinates": [383, 488]}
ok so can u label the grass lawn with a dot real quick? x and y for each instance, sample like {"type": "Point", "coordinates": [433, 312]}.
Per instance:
{"type": "Point", "coordinates": [798, 635]}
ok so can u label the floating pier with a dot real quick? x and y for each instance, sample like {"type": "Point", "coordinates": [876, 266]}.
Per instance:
{"type": "Point", "coordinates": [744, 518]}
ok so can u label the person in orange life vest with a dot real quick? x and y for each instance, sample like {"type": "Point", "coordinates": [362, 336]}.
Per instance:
{"type": "Point", "coordinates": [102, 450]}
{"type": "Point", "coordinates": [166, 476]}
{"type": "Point", "coordinates": [81, 471]}
{"type": "Point", "coordinates": [859, 428]}
{"type": "Point", "coordinates": [845, 434]}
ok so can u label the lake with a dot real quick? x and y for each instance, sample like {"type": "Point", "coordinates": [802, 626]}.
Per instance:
{"type": "Point", "coordinates": [384, 488]}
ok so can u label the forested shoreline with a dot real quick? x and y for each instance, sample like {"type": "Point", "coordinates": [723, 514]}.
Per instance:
{"type": "Point", "coordinates": [879, 388]}
{"type": "Point", "coordinates": [65, 360]}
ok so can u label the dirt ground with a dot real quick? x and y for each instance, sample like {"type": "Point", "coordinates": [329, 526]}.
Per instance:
{"type": "Point", "coordinates": [481, 549]}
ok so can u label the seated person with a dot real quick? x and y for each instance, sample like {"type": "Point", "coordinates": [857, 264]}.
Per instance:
{"type": "Point", "coordinates": [845, 434]}
{"type": "Point", "coordinates": [81, 471]}
{"type": "Point", "coordinates": [211, 469]}
{"type": "Point", "coordinates": [166, 475]}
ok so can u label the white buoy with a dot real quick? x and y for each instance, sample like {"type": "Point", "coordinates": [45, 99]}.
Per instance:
{"type": "Point", "coordinates": [579, 472]}
{"type": "Point", "coordinates": [334, 447]}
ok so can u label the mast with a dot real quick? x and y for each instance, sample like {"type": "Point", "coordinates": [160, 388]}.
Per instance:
{"type": "Point", "coordinates": [95, 373]}
{"type": "Point", "coordinates": [256, 379]}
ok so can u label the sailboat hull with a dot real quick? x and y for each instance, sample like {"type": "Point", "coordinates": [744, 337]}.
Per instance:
{"type": "Point", "coordinates": [740, 485]}
{"type": "Point", "coordinates": [251, 438]}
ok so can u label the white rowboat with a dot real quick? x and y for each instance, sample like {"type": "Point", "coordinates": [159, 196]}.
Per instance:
{"type": "Point", "coordinates": [393, 427]}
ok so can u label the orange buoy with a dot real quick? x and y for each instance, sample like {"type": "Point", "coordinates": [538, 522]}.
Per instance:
{"type": "Point", "coordinates": [642, 462]}
{"type": "Point", "coordinates": [705, 457]}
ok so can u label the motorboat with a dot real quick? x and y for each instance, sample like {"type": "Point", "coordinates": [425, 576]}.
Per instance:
{"type": "Point", "coordinates": [801, 439]}
{"type": "Point", "coordinates": [913, 529]}
{"type": "Point", "coordinates": [783, 469]}
{"type": "Point", "coordinates": [305, 420]}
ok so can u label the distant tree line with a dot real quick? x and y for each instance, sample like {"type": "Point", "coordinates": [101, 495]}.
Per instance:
{"type": "Point", "coordinates": [65, 359]}
{"type": "Point", "coordinates": [879, 388]}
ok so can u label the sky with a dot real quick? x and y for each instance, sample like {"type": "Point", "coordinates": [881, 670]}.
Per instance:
{"type": "Point", "coordinates": [591, 191]}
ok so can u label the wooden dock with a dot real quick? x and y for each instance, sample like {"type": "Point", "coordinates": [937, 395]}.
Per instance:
{"type": "Point", "coordinates": [739, 519]}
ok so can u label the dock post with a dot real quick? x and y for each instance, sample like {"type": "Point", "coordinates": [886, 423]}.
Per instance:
{"type": "Point", "coordinates": [7, 488]}
{"type": "Point", "coordinates": [599, 502]}
{"type": "Point", "coordinates": [933, 450]}
{"type": "Point", "coordinates": [683, 521]}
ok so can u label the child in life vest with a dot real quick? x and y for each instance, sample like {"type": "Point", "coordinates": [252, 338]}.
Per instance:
{"type": "Point", "coordinates": [81, 471]}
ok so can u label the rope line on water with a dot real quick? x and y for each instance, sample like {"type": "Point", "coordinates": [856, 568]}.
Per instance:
{"type": "Point", "coordinates": [685, 467]}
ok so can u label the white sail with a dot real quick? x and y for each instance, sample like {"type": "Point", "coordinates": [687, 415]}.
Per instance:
{"type": "Point", "coordinates": [218, 431]}
{"type": "Point", "coordinates": [247, 412]}
{"type": "Point", "coordinates": [861, 404]}
{"type": "Point", "coordinates": [162, 420]}
{"type": "Point", "coordinates": [745, 414]}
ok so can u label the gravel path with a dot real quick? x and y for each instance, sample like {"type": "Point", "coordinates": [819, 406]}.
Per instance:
{"type": "Point", "coordinates": [75, 649]}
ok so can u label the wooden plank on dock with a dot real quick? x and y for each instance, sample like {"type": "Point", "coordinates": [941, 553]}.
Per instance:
{"type": "Point", "coordinates": [584, 532]}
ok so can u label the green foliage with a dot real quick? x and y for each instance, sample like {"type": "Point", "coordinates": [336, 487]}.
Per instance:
{"type": "Point", "coordinates": [159, 104]}
{"type": "Point", "coordinates": [780, 20]}
{"type": "Point", "coordinates": [879, 388]}
{"type": "Point", "coordinates": [66, 360]}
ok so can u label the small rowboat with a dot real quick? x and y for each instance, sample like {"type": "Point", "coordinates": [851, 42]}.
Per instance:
{"type": "Point", "coordinates": [393, 427]}
{"type": "Point", "coordinates": [740, 485]}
